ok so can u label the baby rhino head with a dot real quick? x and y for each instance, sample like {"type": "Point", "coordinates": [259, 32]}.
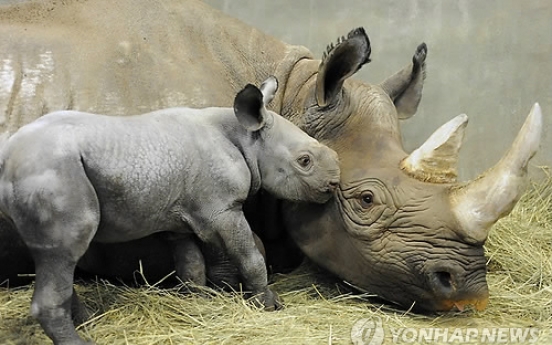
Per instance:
{"type": "Point", "coordinates": [292, 164]}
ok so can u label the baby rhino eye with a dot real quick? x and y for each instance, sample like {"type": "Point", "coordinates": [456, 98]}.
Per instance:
{"type": "Point", "coordinates": [304, 161]}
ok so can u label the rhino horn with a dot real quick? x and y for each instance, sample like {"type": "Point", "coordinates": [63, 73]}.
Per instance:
{"type": "Point", "coordinates": [436, 160]}
{"type": "Point", "coordinates": [480, 203]}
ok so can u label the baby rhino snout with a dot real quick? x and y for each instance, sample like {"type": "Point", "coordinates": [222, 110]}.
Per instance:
{"type": "Point", "coordinates": [321, 176]}
{"type": "Point", "coordinates": [330, 163]}
{"type": "Point", "coordinates": [332, 185]}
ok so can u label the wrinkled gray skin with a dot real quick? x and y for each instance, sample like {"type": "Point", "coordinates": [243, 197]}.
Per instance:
{"type": "Point", "coordinates": [70, 178]}
{"type": "Point", "coordinates": [409, 237]}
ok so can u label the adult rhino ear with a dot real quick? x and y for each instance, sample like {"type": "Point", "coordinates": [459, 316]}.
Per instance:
{"type": "Point", "coordinates": [405, 87]}
{"type": "Point", "coordinates": [268, 89]}
{"type": "Point", "coordinates": [339, 63]}
{"type": "Point", "coordinates": [249, 108]}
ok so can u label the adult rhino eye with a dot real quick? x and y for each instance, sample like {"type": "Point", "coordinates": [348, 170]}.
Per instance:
{"type": "Point", "coordinates": [304, 161]}
{"type": "Point", "coordinates": [366, 199]}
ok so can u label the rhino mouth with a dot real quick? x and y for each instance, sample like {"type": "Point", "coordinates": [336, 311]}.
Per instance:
{"type": "Point", "coordinates": [478, 303]}
{"type": "Point", "coordinates": [324, 194]}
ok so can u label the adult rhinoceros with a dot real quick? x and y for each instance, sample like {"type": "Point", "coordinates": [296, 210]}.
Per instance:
{"type": "Point", "coordinates": [400, 226]}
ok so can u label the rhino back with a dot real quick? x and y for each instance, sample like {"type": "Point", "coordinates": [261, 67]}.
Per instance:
{"type": "Point", "coordinates": [114, 58]}
{"type": "Point", "coordinates": [155, 169]}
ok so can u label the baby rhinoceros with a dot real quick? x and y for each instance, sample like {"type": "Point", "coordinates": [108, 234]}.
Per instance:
{"type": "Point", "coordinates": [70, 178]}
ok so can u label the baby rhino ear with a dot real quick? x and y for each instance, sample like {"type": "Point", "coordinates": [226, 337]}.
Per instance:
{"type": "Point", "coordinates": [249, 108]}
{"type": "Point", "coordinates": [249, 104]}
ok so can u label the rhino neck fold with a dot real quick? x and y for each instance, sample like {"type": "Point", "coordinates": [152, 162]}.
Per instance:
{"type": "Point", "coordinates": [252, 162]}
{"type": "Point", "coordinates": [247, 143]}
{"type": "Point", "coordinates": [295, 74]}
{"type": "Point", "coordinates": [250, 151]}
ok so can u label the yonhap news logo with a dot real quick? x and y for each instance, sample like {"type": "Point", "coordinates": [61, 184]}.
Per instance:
{"type": "Point", "coordinates": [370, 331]}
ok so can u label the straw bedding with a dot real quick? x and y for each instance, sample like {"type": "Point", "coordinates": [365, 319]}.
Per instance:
{"type": "Point", "coordinates": [319, 309]}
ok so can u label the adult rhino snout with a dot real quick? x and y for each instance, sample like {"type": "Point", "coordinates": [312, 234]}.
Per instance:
{"type": "Point", "coordinates": [452, 286]}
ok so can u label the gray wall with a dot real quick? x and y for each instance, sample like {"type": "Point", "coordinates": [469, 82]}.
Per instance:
{"type": "Point", "coordinates": [489, 59]}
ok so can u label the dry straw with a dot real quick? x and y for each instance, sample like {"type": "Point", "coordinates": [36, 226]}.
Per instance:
{"type": "Point", "coordinates": [318, 310]}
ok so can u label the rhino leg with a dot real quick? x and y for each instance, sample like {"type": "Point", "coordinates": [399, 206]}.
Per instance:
{"type": "Point", "coordinates": [54, 299]}
{"type": "Point", "coordinates": [239, 242]}
{"type": "Point", "coordinates": [57, 223]}
{"type": "Point", "coordinates": [221, 272]}
{"type": "Point", "coordinates": [189, 261]}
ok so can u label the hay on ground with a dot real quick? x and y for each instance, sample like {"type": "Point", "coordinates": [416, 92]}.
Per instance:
{"type": "Point", "coordinates": [318, 310]}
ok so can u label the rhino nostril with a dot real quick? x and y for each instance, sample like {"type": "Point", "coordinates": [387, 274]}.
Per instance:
{"type": "Point", "coordinates": [443, 282]}
{"type": "Point", "coordinates": [444, 278]}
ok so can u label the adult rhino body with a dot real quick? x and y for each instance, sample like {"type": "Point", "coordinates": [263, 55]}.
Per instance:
{"type": "Point", "coordinates": [401, 227]}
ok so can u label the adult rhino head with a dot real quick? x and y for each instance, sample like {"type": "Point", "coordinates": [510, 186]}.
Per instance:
{"type": "Point", "coordinates": [401, 226]}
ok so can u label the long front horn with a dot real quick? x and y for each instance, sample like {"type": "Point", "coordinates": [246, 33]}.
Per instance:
{"type": "Point", "coordinates": [493, 195]}
{"type": "Point", "coordinates": [436, 160]}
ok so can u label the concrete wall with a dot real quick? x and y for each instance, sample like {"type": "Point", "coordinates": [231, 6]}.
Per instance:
{"type": "Point", "coordinates": [490, 59]}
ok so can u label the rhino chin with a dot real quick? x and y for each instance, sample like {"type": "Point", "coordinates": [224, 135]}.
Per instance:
{"type": "Point", "coordinates": [478, 302]}
{"type": "Point", "coordinates": [321, 196]}
{"type": "Point", "coordinates": [434, 304]}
